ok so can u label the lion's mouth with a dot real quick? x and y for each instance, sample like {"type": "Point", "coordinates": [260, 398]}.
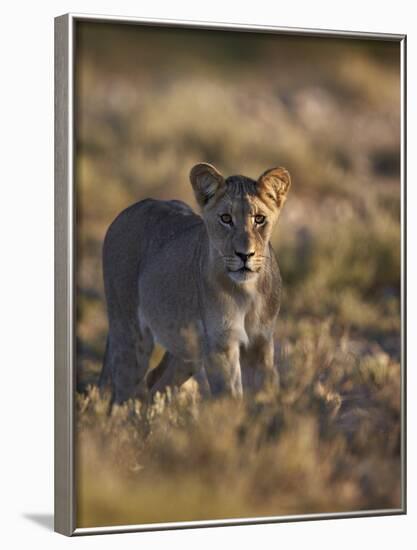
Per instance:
{"type": "Point", "coordinates": [243, 269]}
{"type": "Point", "coordinates": [243, 274]}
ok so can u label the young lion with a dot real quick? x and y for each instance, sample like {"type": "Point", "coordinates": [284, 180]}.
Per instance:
{"type": "Point", "coordinates": [206, 288]}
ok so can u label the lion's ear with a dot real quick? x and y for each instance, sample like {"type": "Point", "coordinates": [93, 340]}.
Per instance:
{"type": "Point", "coordinates": [274, 184]}
{"type": "Point", "coordinates": [206, 181]}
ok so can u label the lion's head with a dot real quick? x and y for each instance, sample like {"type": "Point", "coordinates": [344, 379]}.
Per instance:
{"type": "Point", "coordinates": [239, 214]}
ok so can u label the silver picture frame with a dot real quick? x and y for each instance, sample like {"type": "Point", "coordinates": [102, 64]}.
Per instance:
{"type": "Point", "coordinates": [65, 261]}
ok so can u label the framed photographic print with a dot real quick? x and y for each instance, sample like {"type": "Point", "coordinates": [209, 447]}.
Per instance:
{"type": "Point", "coordinates": [230, 282]}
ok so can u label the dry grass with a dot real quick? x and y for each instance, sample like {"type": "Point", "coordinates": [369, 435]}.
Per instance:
{"type": "Point", "coordinates": [330, 439]}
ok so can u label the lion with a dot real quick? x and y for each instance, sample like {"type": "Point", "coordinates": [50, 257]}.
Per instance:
{"type": "Point", "coordinates": [207, 288]}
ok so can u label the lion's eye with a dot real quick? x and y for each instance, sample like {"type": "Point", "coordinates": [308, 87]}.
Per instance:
{"type": "Point", "coordinates": [226, 218]}
{"type": "Point", "coordinates": [259, 219]}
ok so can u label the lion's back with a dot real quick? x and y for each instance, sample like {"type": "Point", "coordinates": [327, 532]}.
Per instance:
{"type": "Point", "coordinates": [138, 235]}
{"type": "Point", "coordinates": [149, 221]}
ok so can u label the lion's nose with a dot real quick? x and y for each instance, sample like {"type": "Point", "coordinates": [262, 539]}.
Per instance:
{"type": "Point", "coordinates": [244, 256]}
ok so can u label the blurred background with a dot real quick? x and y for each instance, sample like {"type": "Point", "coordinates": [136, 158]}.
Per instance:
{"type": "Point", "coordinates": [152, 102]}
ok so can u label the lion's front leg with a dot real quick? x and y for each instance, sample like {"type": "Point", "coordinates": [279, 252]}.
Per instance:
{"type": "Point", "coordinates": [257, 363]}
{"type": "Point", "coordinates": [223, 370]}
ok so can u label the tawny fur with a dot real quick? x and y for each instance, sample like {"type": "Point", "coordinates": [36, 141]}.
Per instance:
{"type": "Point", "coordinates": [207, 288]}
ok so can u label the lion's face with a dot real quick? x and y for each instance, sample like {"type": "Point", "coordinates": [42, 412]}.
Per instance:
{"type": "Point", "coordinates": [240, 214]}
